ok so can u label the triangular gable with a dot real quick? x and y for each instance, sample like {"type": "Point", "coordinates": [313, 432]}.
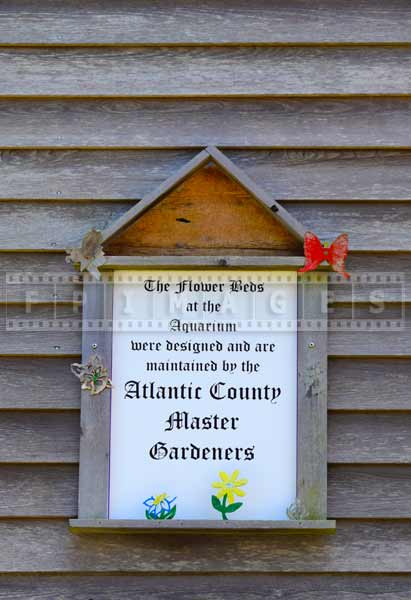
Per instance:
{"type": "Point", "coordinates": [208, 204]}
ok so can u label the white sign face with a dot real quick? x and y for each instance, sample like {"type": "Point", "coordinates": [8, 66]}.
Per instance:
{"type": "Point", "coordinates": [204, 403]}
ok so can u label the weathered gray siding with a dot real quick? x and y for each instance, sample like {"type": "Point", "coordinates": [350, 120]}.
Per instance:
{"type": "Point", "coordinates": [100, 101]}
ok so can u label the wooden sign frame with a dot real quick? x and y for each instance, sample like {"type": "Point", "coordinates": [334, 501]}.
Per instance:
{"type": "Point", "coordinates": [311, 403]}
{"type": "Point", "coordinates": [310, 514]}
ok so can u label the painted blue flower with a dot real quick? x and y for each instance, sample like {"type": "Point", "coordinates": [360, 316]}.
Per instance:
{"type": "Point", "coordinates": [160, 507]}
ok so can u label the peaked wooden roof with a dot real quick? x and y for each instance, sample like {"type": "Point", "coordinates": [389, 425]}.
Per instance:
{"type": "Point", "coordinates": [210, 153]}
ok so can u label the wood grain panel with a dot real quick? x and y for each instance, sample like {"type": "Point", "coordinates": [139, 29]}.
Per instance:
{"type": "Point", "coordinates": [369, 384]}
{"type": "Point", "coordinates": [354, 491]}
{"type": "Point", "coordinates": [33, 437]}
{"type": "Point", "coordinates": [211, 22]}
{"type": "Point", "coordinates": [35, 343]}
{"type": "Point", "coordinates": [216, 71]}
{"type": "Point", "coordinates": [379, 489]}
{"type": "Point", "coordinates": [72, 174]}
{"type": "Point", "coordinates": [384, 344]}
{"type": "Point", "coordinates": [274, 123]}
{"type": "Point", "coordinates": [378, 262]}
{"type": "Point", "coordinates": [20, 273]}
{"type": "Point", "coordinates": [128, 175]}
{"type": "Point", "coordinates": [30, 383]}
{"type": "Point", "coordinates": [38, 490]}
{"type": "Point", "coordinates": [375, 278]}
{"type": "Point", "coordinates": [341, 175]}
{"type": "Point", "coordinates": [369, 438]}
{"type": "Point", "coordinates": [208, 587]}
{"type": "Point", "coordinates": [36, 437]}
{"type": "Point", "coordinates": [369, 315]}
{"type": "Point", "coordinates": [55, 226]}
{"type": "Point", "coordinates": [387, 225]}
{"type": "Point", "coordinates": [95, 417]}
{"type": "Point", "coordinates": [369, 491]}
{"type": "Point", "coordinates": [31, 329]}
{"type": "Point", "coordinates": [49, 547]}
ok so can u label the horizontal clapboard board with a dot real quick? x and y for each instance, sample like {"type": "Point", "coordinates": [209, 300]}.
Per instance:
{"type": "Point", "coordinates": [192, 123]}
{"type": "Point", "coordinates": [208, 22]}
{"type": "Point", "coordinates": [323, 175]}
{"type": "Point", "coordinates": [213, 71]}
{"type": "Point", "coordinates": [361, 547]}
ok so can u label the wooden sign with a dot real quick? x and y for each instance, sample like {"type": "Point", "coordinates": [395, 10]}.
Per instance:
{"type": "Point", "coordinates": [206, 408]}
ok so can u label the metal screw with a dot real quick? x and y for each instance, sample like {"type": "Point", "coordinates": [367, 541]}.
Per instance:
{"type": "Point", "coordinates": [311, 345]}
{"type": "Point", "coordinates": [57, 347]}
{"type": "Point", "coordinates": [94, 346]}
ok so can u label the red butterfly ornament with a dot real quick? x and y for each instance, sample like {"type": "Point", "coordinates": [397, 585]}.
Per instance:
{"type": "Point", "coordinates": [315, 253]}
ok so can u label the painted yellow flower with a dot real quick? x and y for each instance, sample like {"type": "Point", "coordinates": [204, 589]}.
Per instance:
{"type": "Point", "coordinates": [159, 499]}
{"type": "Point", "coordinates": [230, 485]}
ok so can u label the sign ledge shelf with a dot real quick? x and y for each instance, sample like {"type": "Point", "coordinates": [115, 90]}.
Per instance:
{"type": "Point", "coordinates": [127, 526]}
